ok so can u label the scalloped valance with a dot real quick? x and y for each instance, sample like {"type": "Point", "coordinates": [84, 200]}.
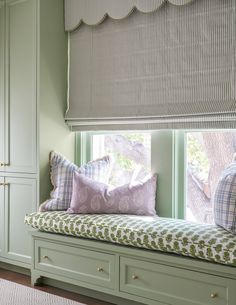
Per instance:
{"type": "Point", "coordinates": [93, 12]}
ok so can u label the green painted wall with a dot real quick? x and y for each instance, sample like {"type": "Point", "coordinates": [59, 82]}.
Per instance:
{"type": "Point", "coordinates": [54, 133]}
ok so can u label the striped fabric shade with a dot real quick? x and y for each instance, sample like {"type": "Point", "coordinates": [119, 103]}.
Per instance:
{"type": "Point", "coordinates": [171, 68]}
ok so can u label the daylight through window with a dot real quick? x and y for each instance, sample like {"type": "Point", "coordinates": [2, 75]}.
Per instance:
{"type": "Point", "coordinates": [208, 154]}
{"type": "Point", "coordinates": [131, 153]}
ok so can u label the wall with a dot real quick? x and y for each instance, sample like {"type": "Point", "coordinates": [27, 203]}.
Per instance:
{"type": "Point", "coordinates": [54, 133]}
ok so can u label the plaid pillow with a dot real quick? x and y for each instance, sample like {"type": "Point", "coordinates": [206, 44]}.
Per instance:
{"type": "Point", "coordinates": [62, 179]}
{"type": "Point", "coordinates": [225, 199]}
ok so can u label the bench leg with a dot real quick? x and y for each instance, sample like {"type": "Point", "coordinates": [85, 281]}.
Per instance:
{"type": "Point", "coordinates": [35, 278]}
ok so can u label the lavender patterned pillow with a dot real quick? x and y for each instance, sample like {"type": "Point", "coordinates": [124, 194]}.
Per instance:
{"type": "Point", "coordinates": [62, 171]}
{"type": "Point", "coordinates": [92, 197]}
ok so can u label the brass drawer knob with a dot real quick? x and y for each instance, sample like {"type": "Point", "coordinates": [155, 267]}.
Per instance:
{"type": "Point", "coordinates": [134, 277]}
{"type": "Point", "coordinates": [99, 269]}
{"type": "Point", "coordinates": [214, 295]}
{"type": "Point", "coordinates": [45, 257]}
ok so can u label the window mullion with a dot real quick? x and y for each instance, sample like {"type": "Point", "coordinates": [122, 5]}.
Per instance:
{"type": "Point", "coordinates": [179, 174]}
{"type": "Point", "coordinates": [162, 164]}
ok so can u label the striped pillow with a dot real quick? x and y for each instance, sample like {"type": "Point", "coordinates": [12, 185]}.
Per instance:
{"type": "Point", "coordinates": [62, 171]}
{"type": "Point", "coordinates": [225, 199]}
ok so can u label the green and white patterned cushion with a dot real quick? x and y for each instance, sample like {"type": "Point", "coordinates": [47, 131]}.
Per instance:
{"type": "Point", "coordinates": [207, 242]}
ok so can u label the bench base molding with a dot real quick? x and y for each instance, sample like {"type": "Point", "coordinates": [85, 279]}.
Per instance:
{"type": "Point", "coordinates": [84, 291]}
{"type": "Point", "coordinates": [125, 275]}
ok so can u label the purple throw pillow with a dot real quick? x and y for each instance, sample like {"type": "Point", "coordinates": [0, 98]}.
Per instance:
{"type": "Point", "coordinates": [93, 197]}
{"type": "Point", "coordinates": [62, 171]}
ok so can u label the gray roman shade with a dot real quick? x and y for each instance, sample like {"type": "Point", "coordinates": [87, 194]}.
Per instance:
{"type": "Point", "coordinates": [169, 64]}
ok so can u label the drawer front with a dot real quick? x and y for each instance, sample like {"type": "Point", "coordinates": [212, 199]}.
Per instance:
{"type": "Point", "coordinates": [174, 285]}
{"type": "Point", "coordinates": [76, 263]}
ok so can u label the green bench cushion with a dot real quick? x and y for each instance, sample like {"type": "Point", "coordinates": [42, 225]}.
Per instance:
{"type": "Point", "coordinates": [207, 242]}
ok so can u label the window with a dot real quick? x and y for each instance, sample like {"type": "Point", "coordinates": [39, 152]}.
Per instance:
{"type": "Point", "coordinates": [153, 150]}
{"type": "Point", "coordinates": [131, 154]}
{"type": "Point", "coordinates": [188, 164]}
{"type": "Point", "coordinates": [208, 154]}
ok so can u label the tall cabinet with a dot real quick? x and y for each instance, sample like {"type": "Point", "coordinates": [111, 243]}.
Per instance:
{"type": "Point", "coordinates": [33, 64]}
{"type": "Point", "coordinates": [2, 116]}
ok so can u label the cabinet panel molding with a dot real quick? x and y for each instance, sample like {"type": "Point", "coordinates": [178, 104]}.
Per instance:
{"type": "Point", "coordinates": [21, 88]}
{"type": "Point", "coordinates": [165, 283]}
{"type": "Point", "coordinates": [20, 199]}
{"type": "Point", "coordinates": [2, 211]}
{"type": "Point", "coordinates": [92, 267]}
{"type": "Point", "coordinates": [2, 81]}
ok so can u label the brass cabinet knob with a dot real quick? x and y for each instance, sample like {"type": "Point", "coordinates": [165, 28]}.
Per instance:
{"type": "Point", "coordinates": [99, 269]}
{"type": "Point", "coordinates": [214, 295]}
{"type": "Point", "coordinates": [4, 184]}
{"type": "Point", "coordinates": [134, 277]}
{"type": "Point", "coordinates": [3, 164]}
{"type": "Point", "coordinates": [45, 257]}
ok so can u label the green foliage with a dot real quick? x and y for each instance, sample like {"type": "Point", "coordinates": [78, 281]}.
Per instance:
{"type": "Point", "coordinates": [138, 137]}
{"type": "Point", "coordinates": [125, 164]}
{"type": "Point", "coordinates": [196, 156]}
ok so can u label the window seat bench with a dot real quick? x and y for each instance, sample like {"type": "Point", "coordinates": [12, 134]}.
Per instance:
{"type": "Point", "coordinates": [177, 236]}
{"type": "Point", "coordinates": [149, 260]}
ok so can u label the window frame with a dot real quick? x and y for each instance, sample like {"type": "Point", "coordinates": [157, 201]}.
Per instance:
{"type": "Point", "coordinates": [181, 167]}
{"type": "Point", "coordinates": [179, 173]}
{"type": "Point", "coordinates": [167, 160]}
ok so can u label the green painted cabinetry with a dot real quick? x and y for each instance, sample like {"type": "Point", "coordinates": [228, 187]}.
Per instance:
{"type": "Point", "coordinates": [136, 275]}
{"type": "Point", "coordinates": [18, 103]}
{"type": "Point", "coordinates": [21, 86]}
{"type": "Point", "coordinates": [92, 267]}
{"type": "Point", "coordinates": [2, 210]}
{"type": "Point", "coordinates": [18, 196]}
{"type": "Point", "coordinates": [18, 127]}
{"type": "Point", "coordinates": [173, 285]}
{"type": "Point", "coordinates": [33, 81]}
{"type": "Point", "coordinates": [2, 79]}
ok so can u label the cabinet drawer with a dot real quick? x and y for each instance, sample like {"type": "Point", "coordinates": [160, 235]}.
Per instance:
{"type": "Point", "coordinates": [76, 263]}
{"type": "Point", "coordinates": [174, 285]}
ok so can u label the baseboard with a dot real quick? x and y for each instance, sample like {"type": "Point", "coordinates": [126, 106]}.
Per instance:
{"type": "Point", "coordinates": [14, 268]}
{"type": "Point", "coordinates": [69, 287]}
{"type": "Point", "coordinates": [88, 292]}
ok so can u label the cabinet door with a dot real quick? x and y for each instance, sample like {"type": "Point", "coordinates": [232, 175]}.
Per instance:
{"type": "Point", "coordinates": [20, 199]}
{"type": "Point", "coordinates": [1, 216]}
{"type": "Point", "coordinates": [2, 83]}
{"type": "Point", "coordinates": [21, 74]}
